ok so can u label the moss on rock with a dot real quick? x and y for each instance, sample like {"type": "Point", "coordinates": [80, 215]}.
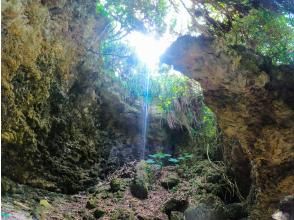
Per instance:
{"type": "Point", "coordinates": [117, 184]}
{"type": "Point", "coordinates": [122, 214]}
{"type": "Point", "coordinates": [141, 181]}
{"type": "Point", "coordinates": [98, 213]}
{"type": "Point", "coordinates": [52, 113]}
{"type": "Point", "coordinates": [170, 180]}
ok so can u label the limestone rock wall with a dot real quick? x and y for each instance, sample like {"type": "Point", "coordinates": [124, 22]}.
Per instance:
{"type": "Point", "coordinates": [253, 101]}
{"type": "Point", "coordinates": [50, 116]}
{"type": "Point", "coordinates": [64, 122]}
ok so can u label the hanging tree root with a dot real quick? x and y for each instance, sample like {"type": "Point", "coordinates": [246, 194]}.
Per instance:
{"type": "Point", "coordinates": [221, 167]}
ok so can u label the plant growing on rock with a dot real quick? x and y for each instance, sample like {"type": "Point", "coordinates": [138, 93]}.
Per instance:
{"type": "Point", "coordinates": [158, 159]}
{"type": "Point", "coordinates": [181, 159]}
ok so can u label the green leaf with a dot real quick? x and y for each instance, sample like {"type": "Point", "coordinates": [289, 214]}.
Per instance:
{"type": "Point", "coordinates": [173, 160]}
{"type": "Point", "coordinates": [186, 155]}
{"type": "Point", "coordinates": [160, 155]}
{"type": "Point", "coordinates": [100, 9]}
{"type": "Point", "coordinates": [150, 161]}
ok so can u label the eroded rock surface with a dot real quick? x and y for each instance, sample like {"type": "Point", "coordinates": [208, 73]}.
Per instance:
{"type": "Point", "coordinates": [253, 101]}
{"type": "Point", "coordinates": [64, 122]}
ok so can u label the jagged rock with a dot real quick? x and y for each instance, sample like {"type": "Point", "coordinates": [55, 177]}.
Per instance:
{"type": "Point", "coordinates": [253, 101]}
{"type": "Point", "coordinates": [169, 180]}
{"type": "Point", "coordinates": [7, 186]}
{"type": "Point", "coordinates": [98, 213]}
{"type": "Point", "coordinates": [140, 183]}
{"type": "Point", "coordinates": [174, 215]}
{"type": "Point", "coordinates": [286, 209]}
{"type": "Point", "coordinates": [236, 211]}
{"type": "Point", "coordinates": [139, 190]}
{"type": "Point", "coordinates": [104, 195]}
{"type": "Point", "coordinates": [117, 184]}
{"type": "Point", "coordinates": [91, 203]}
{"type": "Point", "coordinates": [88, 216]}
{"type": "Point", "coordinates": [175, 204]}
{"type": "Point", "coordinates": [102, 188]}
{"type": "Point", "coordinates": [204, 212]}
{"type": "Point", "coordinates": [122, 214]}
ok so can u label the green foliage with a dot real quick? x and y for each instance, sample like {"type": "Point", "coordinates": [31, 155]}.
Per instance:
{"type": "Point", "coordinates": [266, 32]}
{"type": "Point", "coordinates": [168, 87]}
{"type": "Point", "coordinates": [101, 10]}
{"type": "Point", "coordinates": [267, 27]}
{"type": "Point", "coordinates": [161, 159]}
{"type": "Point", "coordinates": [139, 15]}
{"type": "Point", "coordinates": [150, 170]}
{"type": "Point", "coordinates": [118, 59]}
{"type": "Point", "coordinates": [165, 88]}
{"type": "Point", "coordinates": [158, 159]}
{"type": "Point", "coordinates": [206, 134]}
{"type": "Point", "coordinates": [174, 160]}
{"type": "Point", "coordinates": [208, 124]}
{"type": "Point", "coordinates": [176, 97]}
{"type": "Point", "coordinates": [160, 155]}
{"type": "Point", "coordinates": [181, 159]}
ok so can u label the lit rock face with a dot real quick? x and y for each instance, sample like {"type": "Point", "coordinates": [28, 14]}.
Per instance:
{"type": "Point", "coordinates": [51, 136]}
{"type": "Point", "coordinates": [64, 122]}
{"type": "Point", "coordinates": [60, 123]}
{"type": "Point", "coordinates": [253, 101]}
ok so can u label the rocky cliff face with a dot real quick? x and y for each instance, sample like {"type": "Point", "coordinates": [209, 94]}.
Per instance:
{"type": "Point", "coordinates": [64, 123]}
{"type": "Point", "coordinates": [253, 101]}
{"type": "Point", "coordinates": [50, 116]}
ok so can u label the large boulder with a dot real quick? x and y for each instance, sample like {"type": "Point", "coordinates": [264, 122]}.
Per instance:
{"type": "Point", "coordinates": [175, 215]}
{"type": "Point", "coordinates": [204, 212]}
{"type": "Point", "coordinates": [175, 204]}
{"type": "Point", "coordinates": [169, 180]}
{"type": "Point", "coordinates": [286, 209]}
{"type": "Point", "coordinates": [117, 184]}
{"type": "Point", "coordinates": [98, 213]}
{"type": "Point", "coordinates": [141, 181]}
{"type": "Point", "coordinates": [122, 214]}
{"type": "Point", "coordinates": [236, 211]}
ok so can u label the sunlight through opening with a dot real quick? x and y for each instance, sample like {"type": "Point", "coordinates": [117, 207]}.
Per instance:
{"type": "Point", "coordinates": [148, 48]}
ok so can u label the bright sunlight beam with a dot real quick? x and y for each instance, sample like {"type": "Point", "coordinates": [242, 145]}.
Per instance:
{"type": "Point", "coordinates": [148, 48]}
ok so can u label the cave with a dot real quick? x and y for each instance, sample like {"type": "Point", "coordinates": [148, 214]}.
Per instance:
{"type": "Point", "coordinates": [164, 109]}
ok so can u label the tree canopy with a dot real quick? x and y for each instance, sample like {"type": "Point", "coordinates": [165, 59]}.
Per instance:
{"type": "Point", "coordinates": [266, 27]}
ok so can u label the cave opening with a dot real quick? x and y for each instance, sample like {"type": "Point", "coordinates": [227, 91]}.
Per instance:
{"type": "Point", "coordinates": [189, 127]}
{"type": "Point", "coordinates": [156, 85]}
{"type": "Point", "coordinates": [147, 109]}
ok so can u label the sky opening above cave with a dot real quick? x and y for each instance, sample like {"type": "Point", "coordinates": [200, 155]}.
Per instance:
{"type": "Point", "coordinates": [149, 47]}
